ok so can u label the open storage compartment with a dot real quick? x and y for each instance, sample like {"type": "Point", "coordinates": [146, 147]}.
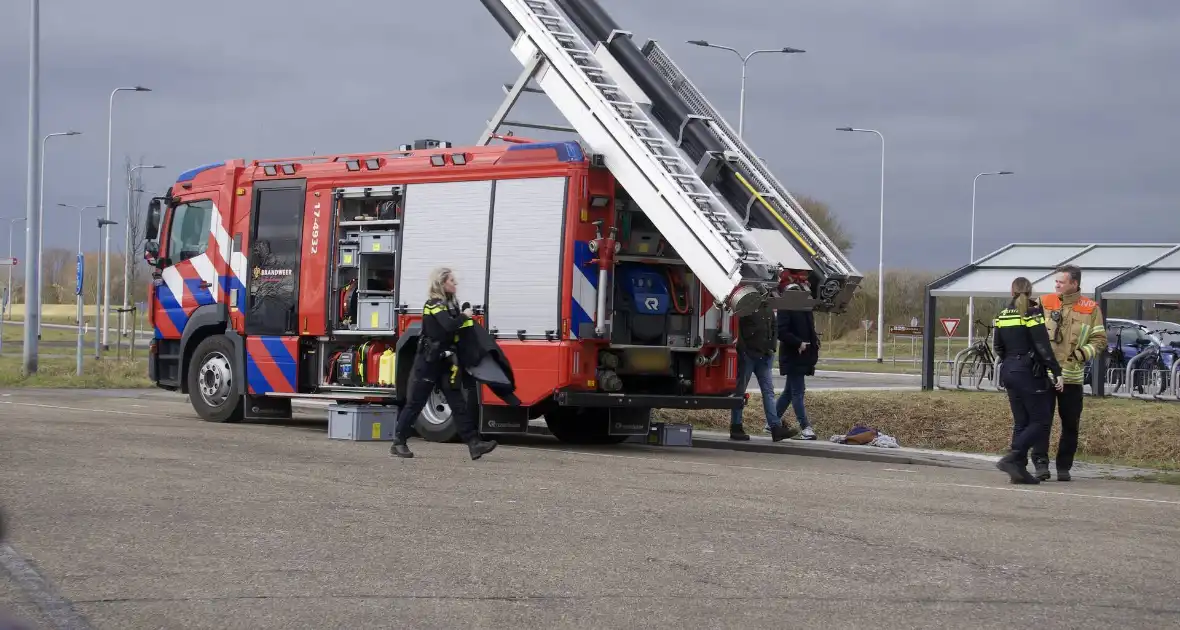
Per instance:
{"type": "Point", "coordinates": [358, 354]}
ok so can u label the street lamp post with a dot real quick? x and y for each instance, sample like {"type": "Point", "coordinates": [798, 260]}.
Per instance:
{"type": "Point", "coordinates": [745, 59]}
{"type": "Point", "coordinates": [32, 317]}
{"type": "Point", "coordinates": [880, 251]}
{"type": "Point", "coordinates": [81, 277]}
{"type": "Point", "coordinates": [102, 224]}
{"type": "Point", "coordinates": [104, 308]}
{"type": "Point", "coordinates": [41, 220]}
{"type": "Point", "coordinates": [971, 299]}
{"type": "Point", "coordinates": [127, 244]}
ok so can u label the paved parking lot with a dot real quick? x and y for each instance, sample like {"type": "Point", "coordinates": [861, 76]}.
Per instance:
{"type": "Point", "coordinates": [139, 515]}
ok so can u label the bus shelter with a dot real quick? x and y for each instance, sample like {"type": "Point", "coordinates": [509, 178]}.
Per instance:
{"type": "Point", "coordinates": [1110, 271]}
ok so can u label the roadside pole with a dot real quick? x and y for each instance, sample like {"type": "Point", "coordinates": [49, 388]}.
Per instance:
{"type": "Point", "coordinates": [78, 293]}
{"type": "Point", "coordinates": [98, 319]}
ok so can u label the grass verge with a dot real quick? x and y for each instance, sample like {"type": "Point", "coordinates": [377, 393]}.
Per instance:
{"type": "Point", "coordinates": [55, 373]}
{"type": "Point", "coordinates": [1124, 432]}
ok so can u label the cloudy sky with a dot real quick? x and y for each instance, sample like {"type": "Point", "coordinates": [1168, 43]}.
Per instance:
{"type": "Point", "coordinates": [1079, 97]}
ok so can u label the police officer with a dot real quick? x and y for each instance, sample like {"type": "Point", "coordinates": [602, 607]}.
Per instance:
{"type": "Point", "coordinates": [435, 365]}
{"type": "Point", "coordinates": [1029, 371]}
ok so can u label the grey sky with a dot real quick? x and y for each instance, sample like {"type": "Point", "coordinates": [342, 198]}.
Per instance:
{"type": "Point", "coordinates": [1079, 97]}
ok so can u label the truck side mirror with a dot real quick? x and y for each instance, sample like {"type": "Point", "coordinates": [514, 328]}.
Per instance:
{"type": "Point", "coordinates": [155, 211]}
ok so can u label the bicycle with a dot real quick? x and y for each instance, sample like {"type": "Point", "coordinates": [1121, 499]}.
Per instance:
{"type": "Point", "coordinates": [1153, 371]}
{"type": "Point", "coordinates": [980, 359]}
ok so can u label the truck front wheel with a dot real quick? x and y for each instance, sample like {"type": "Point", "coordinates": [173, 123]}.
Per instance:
{"type": "Point", "coordinates": [212, 381]}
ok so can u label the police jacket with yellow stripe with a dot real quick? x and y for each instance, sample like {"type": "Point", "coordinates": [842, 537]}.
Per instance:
{"type": "Point", "coordinates": [441, 322]}
{"type": "Point", "coordinates": [1024, 335]}
{"type": "Point", "coordinates": [1076, 332]}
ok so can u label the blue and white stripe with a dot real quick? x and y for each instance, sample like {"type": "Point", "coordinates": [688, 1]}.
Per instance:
{"type": "Point", "coordinates": [584, 292]}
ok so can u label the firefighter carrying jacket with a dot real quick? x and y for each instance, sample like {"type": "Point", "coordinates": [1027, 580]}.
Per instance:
{"type": "Point", "coordinates": [1030, 374]}
{"type": "Point", "coordinates": [436, 365]}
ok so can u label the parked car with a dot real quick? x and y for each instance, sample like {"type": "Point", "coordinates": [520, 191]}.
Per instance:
{"type": "Point", "coordinates": [1134, 336]}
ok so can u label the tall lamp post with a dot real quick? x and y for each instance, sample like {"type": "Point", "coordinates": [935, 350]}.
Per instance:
{"type": "Point", "coordinates": [880, 251]}
{"type": "Point", "coordinates": [745, 60]}
{"type": "Point", "coordinates": [971, 299]}
{"type": "Point", "coordinates": [127, 243]}
{"type": "Point", "coordinates": [41, 220]}
{"type": "Point", "coordinates": [102, 225]}
{"type": "Point", "coordinates": [104, 308]}
{"type": "Point", "coordinates": [78, 286]}
{"type": "Point", "coordinates": [32, 317]}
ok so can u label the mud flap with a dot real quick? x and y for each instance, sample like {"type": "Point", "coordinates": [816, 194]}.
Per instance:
{"type": "Point", "coordinates": [629, 421]}
{"type": "Point", "coordinates": [497, 419]}
{"type": "Point", "coordinates": [267, 408]}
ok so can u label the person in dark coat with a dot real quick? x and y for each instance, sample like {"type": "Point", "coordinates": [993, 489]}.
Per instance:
{"type": "Point", "coordinates": [797, 355]}
{"type": "Point", "coordinates": [755, 348]}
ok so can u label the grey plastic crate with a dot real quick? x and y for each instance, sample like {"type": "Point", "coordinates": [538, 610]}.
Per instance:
{"type": "Point", "coordinates": [348, 256]}
{"type": "Point", "coordinates": [361, 423]}
{"type": "Point", "coordinates": [377, 243]}
{"type": "Point", "coordinates": [666, 434]}
{"type": "Point", "coordinates": [374, 313]}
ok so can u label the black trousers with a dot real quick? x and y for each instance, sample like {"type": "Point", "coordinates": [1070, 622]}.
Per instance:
{"type": "Point", "coordinates": [1031, 399]}
{"type": "Point", "coordinates": [423, 380]}
{"type": "Point", "coordinates": [1069, 409]}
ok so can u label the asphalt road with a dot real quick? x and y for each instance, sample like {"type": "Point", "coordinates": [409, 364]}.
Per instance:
{"type": "Point", "coordinates": [138, 515]}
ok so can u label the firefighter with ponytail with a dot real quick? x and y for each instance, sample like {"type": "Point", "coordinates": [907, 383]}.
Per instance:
{"type": "Point", "coordinates": [1030, 374]}
{"type": "Point", "coordinates": [436, 365]}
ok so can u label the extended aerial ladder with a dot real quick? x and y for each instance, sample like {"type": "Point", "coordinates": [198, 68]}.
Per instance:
{"type": "Point", "coordinates": [669, 168]}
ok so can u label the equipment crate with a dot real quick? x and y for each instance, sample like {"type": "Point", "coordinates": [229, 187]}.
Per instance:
{"type": "Point", "coordinates": [361, 423]}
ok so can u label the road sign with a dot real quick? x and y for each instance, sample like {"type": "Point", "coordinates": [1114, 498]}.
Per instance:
{"type": "Point", "coordinates": [867, 324]}
{"type": "Point", "coordinates": [78, 279]}
{"type": "Point", "coordinates": [8, 262]}
{"type": "Point", "coordinates": [906, 331]}
{"type": "Point", "coordinates": [950, 325]}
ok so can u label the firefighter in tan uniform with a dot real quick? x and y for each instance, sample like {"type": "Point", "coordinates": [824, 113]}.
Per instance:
{"type": "Point", "coordinates": [1077, 334]}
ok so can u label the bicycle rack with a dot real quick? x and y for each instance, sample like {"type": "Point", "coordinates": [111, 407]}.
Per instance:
{"type": "Point", "coordinates": [938, 373]}
{"type": "Point", "coordinates": [1147, 380]}
{"type": "Point", "coordinates": [1112, 386]}
{"type": "Point", "coordinates": [1174, 374]}
{"type": "Point", "coordinates": [955, 379]}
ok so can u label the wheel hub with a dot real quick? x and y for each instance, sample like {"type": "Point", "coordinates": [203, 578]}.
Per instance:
{"type": "Point", "coordinates": [437, 411]}
{"type": "Point", "coordinates": [214, 379]}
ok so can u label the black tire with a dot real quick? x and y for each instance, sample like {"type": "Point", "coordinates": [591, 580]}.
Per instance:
{"type": "Point", "coordinates": [972, 366]}
{"type": "Point", "coordinates": [582, 425]}
{"type": "Point", "coordinates": [212, 380]}
{"type": "Point", "coordinates": [437, 423]}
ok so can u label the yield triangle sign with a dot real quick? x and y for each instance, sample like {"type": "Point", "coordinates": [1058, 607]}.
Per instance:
{"type": "Point", "coordinates": [950, 325]}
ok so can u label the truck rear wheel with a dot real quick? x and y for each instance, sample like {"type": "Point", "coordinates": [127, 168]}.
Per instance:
{"type": "Point", "coordinates": [582, 425]}
{"type": "Point", "coordinates": [212, 382]}
{"type": "Point", "coordinates": [436, 423]}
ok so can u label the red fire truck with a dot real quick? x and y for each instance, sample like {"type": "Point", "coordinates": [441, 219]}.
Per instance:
{"type": "Point", "coordinates": [610, 270]}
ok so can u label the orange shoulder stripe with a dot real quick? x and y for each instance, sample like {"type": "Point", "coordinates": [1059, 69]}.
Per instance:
{"type": "Point", "coordinates": [1051, 301]}
{"type": "Point", "coordinates": [1085, 305]}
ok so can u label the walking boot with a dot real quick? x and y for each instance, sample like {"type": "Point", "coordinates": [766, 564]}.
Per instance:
{"type": "Point", "coordinates": [782, 432]}
{"type": "Point", "coordinates": [400, 449]}
{"type": "Point", "coordinates": [1063, 475]}
{"type": "Point", "coordinates": [738, 432]}
{"type": "Point", "coordinates": [1013, 464]}
{"type": "Point", "coordinates": [1042, 468]}
{"type": "Point", "coordinates": [479, 448]}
